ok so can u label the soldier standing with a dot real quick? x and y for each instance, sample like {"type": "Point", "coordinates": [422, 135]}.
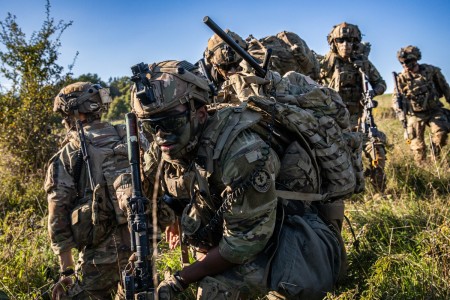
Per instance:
{"type": "Point", "coordinates": [341, 70]}
{"type": "Point", "coordinates": [223, 174]}
{"type": "Point", "coordinates": [421, 86]}
{"type": "Point", "coordinates": [83, 209]}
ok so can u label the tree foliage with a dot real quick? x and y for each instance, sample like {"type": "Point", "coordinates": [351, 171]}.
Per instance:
{"type": "Point", "coordinates": [33, 78]}
{"type": "Point", "coordinates": [120, 92]}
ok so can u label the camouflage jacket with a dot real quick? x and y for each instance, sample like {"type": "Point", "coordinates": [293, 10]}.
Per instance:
{"type": "Point", "coordinates": [344, 77]}
{"type": "Point", "coordinates": [229, 187]}
{"type": "Point", "coordinates": [423, 89]}
{"type": "Point", "coordinates": [63, 193]}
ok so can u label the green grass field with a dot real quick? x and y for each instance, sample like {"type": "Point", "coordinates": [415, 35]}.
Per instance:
{"type": "Point", "coordinates": [402, 249]}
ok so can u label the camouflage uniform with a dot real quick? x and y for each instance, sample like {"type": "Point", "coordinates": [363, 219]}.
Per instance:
{"type": "Point", "coordinates": [228, 186]}
{"type": "Point", "coordinates": [343, 75]}
{"type": "Point", "coordinates": [99, 264]}
{"type": "Point", "coordinates": [422, 90]}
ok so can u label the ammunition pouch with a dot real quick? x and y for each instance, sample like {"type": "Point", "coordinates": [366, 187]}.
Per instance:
{"type": "Point", "coordinates": [91, 210]}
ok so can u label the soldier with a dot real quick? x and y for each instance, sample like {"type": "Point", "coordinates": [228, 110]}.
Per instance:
{"type": "Point", "coordinates": [422, 85]}
{"type": "Point", "coordinates": [340, 70]}
{"type": "Point", "coordinates": [223, 173]}
{"type": "Point", "coordinates": [80, 192]}
{"type": "Point", "coordinates": [289, 53]}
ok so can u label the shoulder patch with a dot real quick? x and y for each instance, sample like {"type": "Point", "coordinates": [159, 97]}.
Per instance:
{"type": "Point", "coordinates": [261, 181]}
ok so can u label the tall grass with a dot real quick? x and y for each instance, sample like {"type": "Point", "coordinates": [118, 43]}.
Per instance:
{"type": "Point", "coordinates": [403, 237]}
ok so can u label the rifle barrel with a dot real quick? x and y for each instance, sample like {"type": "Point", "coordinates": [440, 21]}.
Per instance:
{"type": "Point", "coordinates": [235, 46]}
{"type": "Point", "coordinates": [133, 153]}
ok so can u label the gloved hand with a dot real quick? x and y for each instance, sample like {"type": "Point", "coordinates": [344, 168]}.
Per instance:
{"type": "Point", "coordinates": [62, 286]}
{"type": "Point", "coordinates": [123, 188]}
{"type": "Point", "coordinates": [169, 288]}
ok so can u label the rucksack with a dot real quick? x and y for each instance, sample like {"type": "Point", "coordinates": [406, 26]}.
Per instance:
{"type": "Point", "coordinates": [317, 117]}
{"type": "Point", "coordinates": [97, 213]}
{"type": "Point", "coordinates": [289, 53]}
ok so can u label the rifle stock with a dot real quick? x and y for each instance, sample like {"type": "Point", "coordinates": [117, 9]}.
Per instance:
{"type": "Point", "coordinates": [138, 283]}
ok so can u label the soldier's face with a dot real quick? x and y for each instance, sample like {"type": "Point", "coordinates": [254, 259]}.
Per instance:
{"type": "Point", "coordinates": [410, 65]}
{"type": "Point", "coordinates": [344, 47]}
{"type": "Point", "coordinates": [171, 130]}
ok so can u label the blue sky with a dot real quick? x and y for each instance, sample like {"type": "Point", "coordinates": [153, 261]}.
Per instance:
{"type": "Point", "coordinates": [113, 35]}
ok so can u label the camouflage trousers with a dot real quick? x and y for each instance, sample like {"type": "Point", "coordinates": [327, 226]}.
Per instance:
{"type": "Point", "coordinates": [99, 269]}
{"type": "Point", "coordinates": [439, 126]}
{"type": "Point", "coordinates": [304, 266]}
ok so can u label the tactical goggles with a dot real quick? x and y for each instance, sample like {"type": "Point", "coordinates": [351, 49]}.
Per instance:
{"type": "Point", "coordinates": [344, 39]}
{"type": "Point", "coordinates": [169, 123]}
{"type": "Point", "coordinates": [408, 61]}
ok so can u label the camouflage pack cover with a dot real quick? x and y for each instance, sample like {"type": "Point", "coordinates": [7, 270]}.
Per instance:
{"type": "Point", "coordinates": [319, 119]}
{"type": "Point", "coordinates": [289, 53]}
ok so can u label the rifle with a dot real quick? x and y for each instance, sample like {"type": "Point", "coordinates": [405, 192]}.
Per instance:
{"type": "Point", "coordinates": [85, 153]}
{"type": "Point", "coordinates": [212, 86]}
{"type": "Point", "coordinates": [260, 71]}
{"type": "Point", "coordinates": [403, 107]}
{"type": "Point", "coordinates": [91, 188]}
{"type": "Point", "coordinates": [368, 125]}
{"type": "Point", "coordinates": [138, 283]}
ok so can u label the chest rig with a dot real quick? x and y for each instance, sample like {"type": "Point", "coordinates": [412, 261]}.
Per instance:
{"type": "Point", "coordinates": [419, 89]}
{"type": "Point", "coordinates": [347, 81]}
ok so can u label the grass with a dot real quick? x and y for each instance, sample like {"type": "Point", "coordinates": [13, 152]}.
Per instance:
{"type": "Point", "coordinates": [404, 235]}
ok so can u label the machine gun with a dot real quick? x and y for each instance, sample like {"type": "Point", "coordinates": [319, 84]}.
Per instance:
{"type": "Point", "coordinates": [368, 125]}
{"type": "Point", "coordinates": [401, 103]}
{"type": "Point", "coordinates": [138, 282]}
{"type": "Point", "coordinates": [259, 71]}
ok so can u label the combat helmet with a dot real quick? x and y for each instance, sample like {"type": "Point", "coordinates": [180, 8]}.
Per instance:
{"type": "Point", "coordinates": [168, 84]}
{"type": "Point", "coordinates": [344, 31]}
{"type": "Point", "coordinates": [219, 54]}
{"type": "Point", "coordinates": [82, 97]}
{"type": "Point", "coordinates": [409, 53]}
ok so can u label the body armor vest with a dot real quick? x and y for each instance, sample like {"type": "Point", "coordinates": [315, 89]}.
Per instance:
{"type": "Point", "coordinates": [419, 90]}
{"type": "Point", "coordinates": [347, 81]}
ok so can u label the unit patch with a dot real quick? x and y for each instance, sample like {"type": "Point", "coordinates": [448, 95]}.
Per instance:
{"type": "Point", "coordinates": [261, 181]}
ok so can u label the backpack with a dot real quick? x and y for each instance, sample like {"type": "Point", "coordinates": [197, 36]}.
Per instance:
{"type": "Point", "coordinates": [96, 213]}
{"type": "Point", "coordinates": [315, 116]}
{"type": "Point", "coordinates": [289, 53]}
